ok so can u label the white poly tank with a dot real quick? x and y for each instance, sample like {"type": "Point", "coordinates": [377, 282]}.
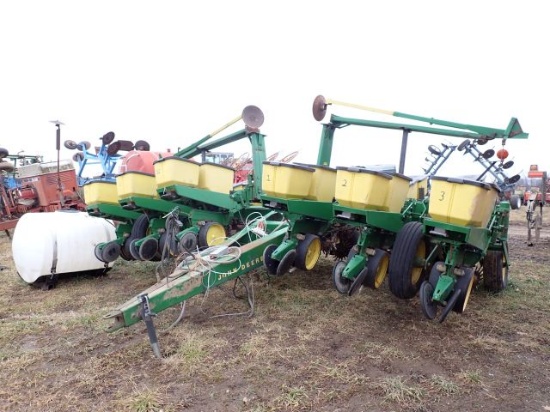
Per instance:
{"type": "Point", "coordinates": [58, 242]}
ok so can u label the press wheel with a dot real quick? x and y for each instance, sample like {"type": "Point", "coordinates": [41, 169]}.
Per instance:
{"type": "Point", "coordinates": [341, 283]}
{"type": "Point", "coordinates": [308, 252]}
{"type": "Point", "coordinates": [211, 234]}
{"type": "Point", "coordinates": [270, 264]}
{"type": "Point", "coordinates": [429, 307]}
{"type": "Point", "coordinates": [286, 262]}
{"type": "Point", "coordinates": [465, 283]}
{"type": "Point", "coordinates": [377, 269]}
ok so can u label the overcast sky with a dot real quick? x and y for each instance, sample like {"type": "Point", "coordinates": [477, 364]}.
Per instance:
{"type": "Point", "coordinates": [170, 72]}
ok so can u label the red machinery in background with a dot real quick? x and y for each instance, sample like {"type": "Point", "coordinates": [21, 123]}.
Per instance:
{"type": "Point", "coordinates": [30, 185]}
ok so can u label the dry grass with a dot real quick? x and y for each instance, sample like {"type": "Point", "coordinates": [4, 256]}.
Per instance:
{"type": "Point", "coordinates": [306, 348]}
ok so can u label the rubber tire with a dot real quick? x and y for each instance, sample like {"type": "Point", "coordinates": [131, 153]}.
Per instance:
{"type": "Point", "coordinates": [139, 230]}
{"type": "Point", "coordinates": [148, 249]}
{"type": "Point", "coordinates": [286, 262]}
{"type": "Point", "coordinates": [341, 284]}
{"type": "Point", "coordinates": [401, 269]}
{"type": "Point", "coordinates": [465, 283]}
{"type": "Point", "coordinates": [429, 308]}
{"type": "Point", "coordinates": [110, 252]}
{"type": "Point", "coordinates": [188, 243]}
{"type": "Point", "coordinates": [270, 264]}
{"type": "Point", "coordinates": [125, 250]}
{"type": "Point", "coordinates": [377, 269]}
{"type": "Point", "coordinates": [3, 153]}
{"type": "Point", "coordinates": [308, 252]}
{"type": "Point", "coordinates": [358, 282]}
{"type": "Point", "coordinates": [495, 275]}
{"type": "Point", "coordinates": [134, 251]}
{"type": "Point", "coordinates": [205, 238]}
{"type": "Point", "coordinates": [451, 303]}
{"type": "Point", "coordinates": [97, 253]}
{"type": "Point", "coordinates": [515, 202]}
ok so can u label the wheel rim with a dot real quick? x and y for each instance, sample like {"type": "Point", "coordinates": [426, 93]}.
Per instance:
{"type": "Point", "coordinates": [467, 294]}
{"type": "Point", "coordinates": [215, 234]}
{"type": "Point", "coordinates": [313, 253]}
{"type": "Point", "coordinates": [381, 271]}
{"type": "Point", "coordinates": [416, 272]}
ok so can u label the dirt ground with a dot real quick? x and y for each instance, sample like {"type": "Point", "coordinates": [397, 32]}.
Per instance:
{"type": "Point", "coordinates": [305, 348]}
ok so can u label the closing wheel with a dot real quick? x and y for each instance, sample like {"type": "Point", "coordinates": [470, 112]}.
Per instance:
{"type": "Point", "coordinates": [308, 252]}
{"type": "Point", "coordinates": [148, 249]}
{"type": "Point", "coordinates": [377, 269]}
{"type": "Point", "coordinates": [286, 262]}
{"type": "Point", "coordinates": [357, 283]}
{"type": "Point", "coordinates": [465, 283]}
{"type": "Point", "coordinates": [487, 154]}
{"type": "Point", "coordinates": [495, 271]}
{"type": "Point", "coordinates": [133, 249]}
{"type": "Point", "coordinates": [406, 268]}
{"type": "Point", "coordinates": [125, 250]}
{"type": "Point", "coordinates": [270, 264]}
{"type": "Point", "coordinates": [110, 252]}
{"type": "Point", "coordinates": [429, 307]}
{"type": "Point", "coordinates": [341, 283]}
{"type": "Point", "coordinates": [188, 243]}
{"type": "Point", "coordinates": [450, 305]}
{"type": "Point", "coordinates": [211, 234]}
{"type": "Point", "coordinates": [167, 246]}
{"type": "Point", "coordinates": [69, 144]}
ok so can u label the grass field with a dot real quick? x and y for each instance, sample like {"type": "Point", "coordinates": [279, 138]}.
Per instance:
{"type": "Point", "coordinates": [306, 347]}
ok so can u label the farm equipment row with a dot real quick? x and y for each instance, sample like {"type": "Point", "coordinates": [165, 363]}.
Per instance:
{"type": "Point", "coordinates": [435, 236]}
